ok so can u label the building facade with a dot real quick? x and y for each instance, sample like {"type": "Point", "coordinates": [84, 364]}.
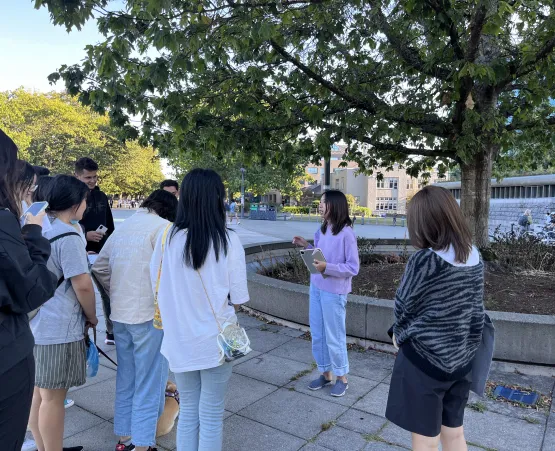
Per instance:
{"type": "Point", "coordinates": [510, 197]}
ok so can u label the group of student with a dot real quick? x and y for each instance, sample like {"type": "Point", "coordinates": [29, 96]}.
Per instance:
{"type": "Point", "coordinates": [174, 271]}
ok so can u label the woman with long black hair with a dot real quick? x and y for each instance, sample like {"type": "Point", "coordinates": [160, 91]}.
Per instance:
{"type": "Point", "coordinates": [196, 264]}
{"type": "Point", "coordinates": [25, 284]}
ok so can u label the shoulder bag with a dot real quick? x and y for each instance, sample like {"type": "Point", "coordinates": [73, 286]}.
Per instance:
{"type": "Point", "coordinates": [157, 321]}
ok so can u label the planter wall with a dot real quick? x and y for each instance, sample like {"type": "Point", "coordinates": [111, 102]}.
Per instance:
{"type": "Point", "coordinates": [519, 337]}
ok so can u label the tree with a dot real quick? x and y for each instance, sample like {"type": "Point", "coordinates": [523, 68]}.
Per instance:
{"type": "Point", "coordinates": [259, 179]}
{"type": "Point", "coordinates": [418, 82]}
{"type": "Point", "coordinates": [54, 130]}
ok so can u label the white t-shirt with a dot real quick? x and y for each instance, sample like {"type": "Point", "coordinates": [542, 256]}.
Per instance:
{"type": "Point", "coordinates": [449, 256]}
{"type": "Point", "coordinates": [190, 329]}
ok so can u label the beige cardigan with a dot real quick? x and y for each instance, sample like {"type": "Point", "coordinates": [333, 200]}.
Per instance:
{"type": "Point", "coordinates": [123, 267]}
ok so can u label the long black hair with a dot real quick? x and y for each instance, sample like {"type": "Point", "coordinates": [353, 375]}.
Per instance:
{"type": "Point", "coordinates": [8, 175]}
{"type": "Point", "coordinates": [201, 213]}
{"type": "Point", "coordinates": [337, 212]}
{"type": "Point", "coordinates": [163, 203]}
{"type": "Point", "coordinates": [43, 183]}
{"type": "Point", "coordinates": [64, 192]}
{"type": "Point", "coordinates": [25, 176]}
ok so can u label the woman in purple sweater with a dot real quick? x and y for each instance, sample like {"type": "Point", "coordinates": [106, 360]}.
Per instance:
{"type": "Point", "coordinates": [329, 290]}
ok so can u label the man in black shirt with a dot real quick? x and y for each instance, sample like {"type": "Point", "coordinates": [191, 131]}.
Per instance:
{"type": "Point", "coordinates": [98, 214]}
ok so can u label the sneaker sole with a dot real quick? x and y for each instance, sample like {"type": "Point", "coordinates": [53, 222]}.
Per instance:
{"type": "Point", "coordinates": [69, 404]}
{"type": "Point", "coordinates": [110, 342]}
{"type": "Point", "coordinates": [340, 395]}
{"type": "Point", "coordinates": [318, 388]}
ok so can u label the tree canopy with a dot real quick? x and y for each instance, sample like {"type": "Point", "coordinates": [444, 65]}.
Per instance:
{"type": "Point", "coordinates": [418, 82]}
{"type": "Point", "coordinates": [54, 130]}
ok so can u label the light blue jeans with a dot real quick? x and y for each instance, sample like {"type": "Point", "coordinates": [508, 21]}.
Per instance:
{"type": "Point", "coordinates": [201, 412]}
{"type": "Point", "coordinates": [140, 383]}
{"type": "Point", "coordinates": [327, 327]}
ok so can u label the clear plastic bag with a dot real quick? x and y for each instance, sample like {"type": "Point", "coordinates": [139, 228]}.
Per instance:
{"type": "Point", "coordinates": [92, 359]}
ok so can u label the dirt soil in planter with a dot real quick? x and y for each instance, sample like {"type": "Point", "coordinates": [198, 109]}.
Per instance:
{"type": "Point", "coordinates": [521, 292]}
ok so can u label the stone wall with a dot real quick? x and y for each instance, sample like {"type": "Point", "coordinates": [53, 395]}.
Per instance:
{"type": "Point", "coordinates": [505, 212]}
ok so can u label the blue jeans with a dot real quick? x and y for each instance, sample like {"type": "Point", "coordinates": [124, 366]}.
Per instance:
{"type": "Point", "coordinates": [327, 327]}
{"type": "Point", "coordinates": [201, 412]}
{"type": "Point", "coordinates": [140, 383]}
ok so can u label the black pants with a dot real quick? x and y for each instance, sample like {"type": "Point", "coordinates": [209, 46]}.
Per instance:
{"type": "Point", "coordinates": [16, 394]}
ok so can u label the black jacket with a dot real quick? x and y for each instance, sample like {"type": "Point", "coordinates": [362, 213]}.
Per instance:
{"type": "Point", "coordinates": [25, 284]}
{"type": "Point", "coordinates": [97, 213]}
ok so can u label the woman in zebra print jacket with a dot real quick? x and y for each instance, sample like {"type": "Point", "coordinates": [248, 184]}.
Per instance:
{"type": "Point", "coordinates": [439, 318]}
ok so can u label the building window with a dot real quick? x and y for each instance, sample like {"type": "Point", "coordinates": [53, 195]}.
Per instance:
{"type": "Point", "coordinates": [334, 159]}
{"type": "Point", "coordinates": [393, 183]}
{"type": "Point", "coordinates": [337, 184]}
{"type": "Point", "coordinates": [381, 183]}
{"type": "Point", "coordinates": [312, 170]}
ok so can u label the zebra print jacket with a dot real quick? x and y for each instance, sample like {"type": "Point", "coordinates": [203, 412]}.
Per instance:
{"type": "Point", "coordinates": [439, 315]}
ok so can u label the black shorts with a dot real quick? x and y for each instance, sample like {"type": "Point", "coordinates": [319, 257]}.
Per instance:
{"type": "Point", "coordinates": [421, 404]}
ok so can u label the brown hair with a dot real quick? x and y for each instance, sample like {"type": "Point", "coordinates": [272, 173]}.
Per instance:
{"type": "Point", "coordinates": [435, 221]}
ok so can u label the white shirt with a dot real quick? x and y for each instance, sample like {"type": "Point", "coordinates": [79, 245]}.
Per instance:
{"type": "Point", "coordinates": [190, 329]}
{"type": "Point", "coordinates": [123, 267]}
{"type": "Point", "coordinates": [449, 256]}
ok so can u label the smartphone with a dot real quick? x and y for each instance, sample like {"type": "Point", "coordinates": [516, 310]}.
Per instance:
{"type": "Point", "coordinates": [102, 229]}
{"type": "Point", "coordinates": [35, 208]}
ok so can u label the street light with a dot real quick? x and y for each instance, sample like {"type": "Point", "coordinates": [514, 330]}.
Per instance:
{"type": "Point", "coordinates": [243, 170]}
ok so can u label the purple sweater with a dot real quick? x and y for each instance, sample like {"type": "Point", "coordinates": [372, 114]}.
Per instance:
{"type": "Point", "coordinates": [341, 252]}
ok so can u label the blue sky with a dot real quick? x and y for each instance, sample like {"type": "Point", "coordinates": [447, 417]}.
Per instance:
{"type": "Point", "coordinates": [31, 47]}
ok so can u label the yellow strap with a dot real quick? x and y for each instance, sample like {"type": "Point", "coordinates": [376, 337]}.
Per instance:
{"type": "Point", "coordinates": [157, 315]}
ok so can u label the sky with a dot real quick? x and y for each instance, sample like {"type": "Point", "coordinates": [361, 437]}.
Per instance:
{"type": "Point", "coordinates": [31, 47]}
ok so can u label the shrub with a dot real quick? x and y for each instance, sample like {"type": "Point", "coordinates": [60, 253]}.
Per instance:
{"type": "Point", "coordinates": [296, 210]}
{"type": "Point", "coordinates": [520, 251]}
{"type": "Point", "coordinates": [359, 210]}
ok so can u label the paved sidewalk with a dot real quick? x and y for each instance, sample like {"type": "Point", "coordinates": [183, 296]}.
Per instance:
{"type": "Point", "coordinates": [269, 407]}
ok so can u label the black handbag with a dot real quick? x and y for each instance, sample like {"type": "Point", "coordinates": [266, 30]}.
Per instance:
{"type": "Point", "coordinates": [481, 363]}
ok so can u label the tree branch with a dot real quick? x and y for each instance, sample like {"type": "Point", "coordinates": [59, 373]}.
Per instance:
{"type": "Point", "coordinates": [476, 26]}
{"type": "Point", "coordinates": [407, 53]}
{"type": "Point", "coordinates": [441, 8]}
{"type": "Point", "coordinates": [550, 121]}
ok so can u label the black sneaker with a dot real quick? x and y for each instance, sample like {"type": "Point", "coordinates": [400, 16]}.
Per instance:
{"type": "Point", "coordinates": [73, 448]}
{"type": "Point", "coordinates": [121, 447]}
{"type": "Point", "coordinates": [110, 341]}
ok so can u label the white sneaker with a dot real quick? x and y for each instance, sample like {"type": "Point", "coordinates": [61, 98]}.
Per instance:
{"type": "Point", "coordinates": [29, 445]}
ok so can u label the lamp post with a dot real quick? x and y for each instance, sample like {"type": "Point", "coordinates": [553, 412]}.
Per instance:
{"type": "Point", "coordinates": [243, 170]}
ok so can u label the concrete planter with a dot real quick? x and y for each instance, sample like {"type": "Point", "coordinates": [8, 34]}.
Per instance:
{"type": "Point", "coordinates": [519, 337]}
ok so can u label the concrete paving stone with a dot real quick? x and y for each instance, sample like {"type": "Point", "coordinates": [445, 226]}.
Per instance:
{"type": "Point", "coordinates": [541, 384]}
{"type": "Point", "coordinates": [97, 399]}
{"type": "Point", "coordinates": [98, 438]}
{"type": "Point", "coordinates": [294, 413]}
{"type": "Point", "coordinates": [271, 369]}
{"type": "Point", "coordinates": [362, 422]}
{"type": "Point", "coordinates": [297, 349]}
{"type": "Point", "coordinates": [241, 434]}
{"type": "Point", "coordinates": [246, 358]}
{"type": "Point", "coordinates": [78, 420]}
{"type": "Point", "coordinates": [262, 341]}
{"type": "Point", "coordinates": [395, 435]}
{"type": "Point", "coordinates": [497, 431]}
{"type": "Point", "coordinates": [340, 439]}
{"type": "Point", "coordinates": [312, 447]}
{"type": "Point", "coordinates": [374, 402]}
{"type": "Point", "coordinates": [283, 330]}
{"type": "Point", "coordinates": [248, 321]}
{"type": "Point", "coordinates": [381, 446]}
{"type": "Point", "coordinates": [358, 387]}
{"type": "Point", "coordinates": [371, 364]}
{"type": "Point", "coordinates": [103, 374]}
{"type": "Point", "coordinates": [505, 408]}
{"type": "Point", "coordinates": [244, 391]}
{"type": "Point", "coordinates": [549, 438]}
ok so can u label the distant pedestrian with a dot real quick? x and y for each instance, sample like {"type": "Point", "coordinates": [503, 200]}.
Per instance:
{"type": "Point", "coordinates": [394, 219]}
{"type": "Point", "coordinates": [525, 221]}
{"type": "Point", "coordinates": [233, 212]}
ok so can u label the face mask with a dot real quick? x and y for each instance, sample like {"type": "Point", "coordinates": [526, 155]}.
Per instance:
{"type": "Point", "coordinates": [74, 222]}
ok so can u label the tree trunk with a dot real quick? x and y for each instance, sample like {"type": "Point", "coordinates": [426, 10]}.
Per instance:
{"type": "Point", "coordinates": [476, 193]}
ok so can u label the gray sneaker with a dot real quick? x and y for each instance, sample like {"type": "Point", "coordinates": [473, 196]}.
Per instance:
{"type": "Point", "coordinates": [339, 388]}
{"type": "Point", "coordinates": [319, 383]}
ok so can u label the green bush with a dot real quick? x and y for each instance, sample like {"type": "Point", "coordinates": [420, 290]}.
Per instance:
{"type": "Point", "coordinates": [296, 210]}
{"type": "Point", "coordinates": [359, 210]}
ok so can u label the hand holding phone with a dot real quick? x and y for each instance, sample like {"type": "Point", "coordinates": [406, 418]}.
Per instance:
{"type": "Point", "coordinates": [35, 213]}
{"type": "Point", "coordinates": [102, 229]}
